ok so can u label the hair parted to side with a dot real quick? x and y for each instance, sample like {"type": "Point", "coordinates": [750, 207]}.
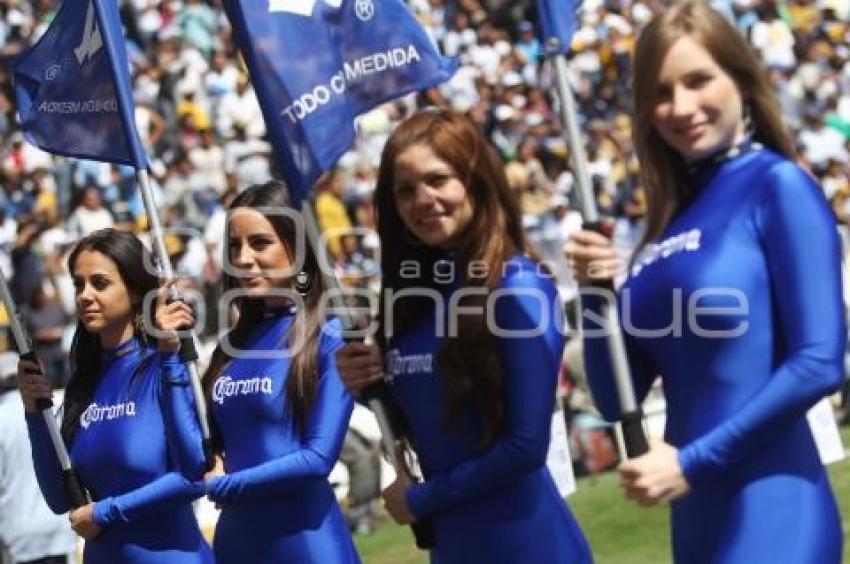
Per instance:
{"type": "Point", "coordinates": [662, 168]}
{"type": "Point", "coordinates": [469, 361]}
{"type": "Point", "coordinates": [302, 380]}
{"type": "Point", "coordinates": [131, 258]}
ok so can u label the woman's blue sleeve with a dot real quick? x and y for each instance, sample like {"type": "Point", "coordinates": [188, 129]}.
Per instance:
{"type": "Point", "coordinates": [184, 482]}
{"type": "Point", "coordinates": [528, 325]}
{"type": "Point", "coordinates": [48, 472]}
{"type": "Point", "coordinates": [180, 417]}
{"type": "Point", "coordinates": [321, 442]}
{"type": "Point", "coordinates": [597, 357]}
{"type": "Point", "coordinates": [167, 491]}
{"type": "Point", "coordinates": [798, 234]}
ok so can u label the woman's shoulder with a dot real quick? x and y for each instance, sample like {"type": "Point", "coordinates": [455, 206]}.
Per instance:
{"type": "Point", "coordinates": [783, 178]}
{"type": "Point", "coordinates": [787, 194]}
{"type": "Point", "coordinates": [522, 271]}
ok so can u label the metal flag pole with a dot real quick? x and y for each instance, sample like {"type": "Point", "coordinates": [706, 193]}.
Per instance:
{"type": "Point", "coordinates": [109, 25]}
{"type": "Point", "coordinates": [188, 343]}
{"type": "Point", "coordinates": [77, 494]}
{"type": "Point", "coordinates": [375, 394]}
{"type": "Point", "coordinates": [631, 416]}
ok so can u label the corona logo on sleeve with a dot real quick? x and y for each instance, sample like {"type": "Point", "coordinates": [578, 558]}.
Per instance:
{"type": "Point", "coordinates": [92, 41]}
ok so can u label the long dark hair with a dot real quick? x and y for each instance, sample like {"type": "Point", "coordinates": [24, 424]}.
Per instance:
{"type": "Point", "coordinates": [303, 371]}
{"type": "Point", "coordinates": [133, 262]}
{"type": "Point", "coordinates": [469, 360]}
{"type": "Point", "coordinates": [661, 166]}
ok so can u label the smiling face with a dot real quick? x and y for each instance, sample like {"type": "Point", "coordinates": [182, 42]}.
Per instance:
{"type": "Point", "coordinates": [698, 107]}
{"type": "Point", "coordinates": [104, 305]}
{"type": "Point", "coordinates": [430, 199]}
{"type": "Point", "coordinates": [255, 249]}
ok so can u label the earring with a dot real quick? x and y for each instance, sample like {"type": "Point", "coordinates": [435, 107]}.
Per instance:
{"type": "Point", "coordinates": [139, 327]}
{"type": "Point", "coordinates": [302, 283]}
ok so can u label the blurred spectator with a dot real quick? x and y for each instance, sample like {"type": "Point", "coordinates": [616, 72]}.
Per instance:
{"type": "Point", "coordinates": [208, 160]}
{"type": "Point", "coordinates": [45, 322]}
{"type": "Point", "coordinates": [773, 38]}
{"type": "Point", "coordinates": [330, 210]}
{"type": "Point", "coordinates": [821, 143]}
{"type": "Point", "coordinates": [240, 108]}
{"type": "Point", "coordinates": [29, 530]}
{"type": "Point", "coordinates": [246, 159]}
{"type": "Point", "coordinates": [89, 215]}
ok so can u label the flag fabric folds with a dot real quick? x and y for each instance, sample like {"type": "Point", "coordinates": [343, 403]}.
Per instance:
{"type": "Point", "coordinates": [73, 87]}
{"type": "Point", "coordinates": [558, 20]}
{"type": "Point", "coordinates": [317, 64]}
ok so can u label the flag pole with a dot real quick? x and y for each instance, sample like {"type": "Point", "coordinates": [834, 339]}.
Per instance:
{"type": "Point", "coordinates": [77, 494]}
{"type": "Point", "coordinates": [118, 61]}
{"type": "Point", "coordinates": [631, 415]}
{"type": "Point", "coordinates": [422, 530]}
{"type": "Point", "coordinates": [188, 343]}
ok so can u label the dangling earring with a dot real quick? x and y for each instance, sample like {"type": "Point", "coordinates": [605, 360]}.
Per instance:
{"type": "Point", "coordinates": [303, 282]}
{"type": "Point", "coordinates": [139, 327]}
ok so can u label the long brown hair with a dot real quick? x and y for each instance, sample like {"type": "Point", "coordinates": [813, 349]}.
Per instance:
{"type": "Point", "coordinates": [662, 167]}
{"type": "Point", "coordinates": [468, 360]}
{"type": "Point", "coordinates": [303, 371]}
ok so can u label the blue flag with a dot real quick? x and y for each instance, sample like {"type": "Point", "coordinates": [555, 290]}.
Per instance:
{"type": "Point", "coordinates": [558, 23]}
{"type": "Point", "coordinates": [316, 64]}
{"type": "Point", "coordinates": [73, 87]}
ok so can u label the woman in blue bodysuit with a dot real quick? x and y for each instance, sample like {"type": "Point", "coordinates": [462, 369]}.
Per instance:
{"type": "Point", "coordinates": [734, 299]}
{"type": "Point", "coordinates": [279, 409]}
{"type": "Point", "coordinates": [128, 413]}
{"type": "Point", "coordinates": [472, 333]}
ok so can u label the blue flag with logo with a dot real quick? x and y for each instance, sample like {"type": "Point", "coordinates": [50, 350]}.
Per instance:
{"type": "Point", "coordinates": [558, 23]}
{"type": "Point", "coordinates": [316, 64]}
{"type": "Point", "coordinates": [73, 87]}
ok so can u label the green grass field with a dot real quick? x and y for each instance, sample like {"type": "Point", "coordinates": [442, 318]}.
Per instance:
{"type": "Point", "coordinates": [619, 531]}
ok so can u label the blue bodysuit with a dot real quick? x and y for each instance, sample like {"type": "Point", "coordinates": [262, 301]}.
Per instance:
{"type": "Point", "coordinates": [277, 503]}
{"type": "Point", "coordinates": [496, 504]}
{"type": "Point", "coordinates": [743, 294]}
{"type": "Point", "coordinates": [125, 453]}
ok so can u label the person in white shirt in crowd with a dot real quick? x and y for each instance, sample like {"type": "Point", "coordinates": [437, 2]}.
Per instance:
{"type": "Point", "coordinates": [240, 107]}
{"type": "Point", "coordinates": [246, 158]}
{"type": "Point", "coordinates": [89, 215]}
{"type": "Point", "coordinates": [30, 532]}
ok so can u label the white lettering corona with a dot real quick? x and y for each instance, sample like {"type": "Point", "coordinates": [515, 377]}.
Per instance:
{"type": "Point", "coordinates": [226, 387]}
{"type": "Point", "coordinates": [398, 365]}
{"type": "Point", "coordinates": [95, 413]}
{"type": "Point", "coordinates": [687, 241]}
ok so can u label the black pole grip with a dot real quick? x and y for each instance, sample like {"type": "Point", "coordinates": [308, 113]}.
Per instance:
{"type": "Point", "coordinates": [633, 434]}
{"type": "Point", "coordinates": [76, 493]}
{"type": "Point", "coordinates": [209, 454]}
{"type": "Point", "coordinates": [40, 403]}
{"type": "Point", "coordinates": [423, 534]}
{"type": "Point", "coordinates": [188, 353]}
{"type": "Point", "coordinates": [601, 227]}
{"type": "Point", "coordinates": [604, 229]}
